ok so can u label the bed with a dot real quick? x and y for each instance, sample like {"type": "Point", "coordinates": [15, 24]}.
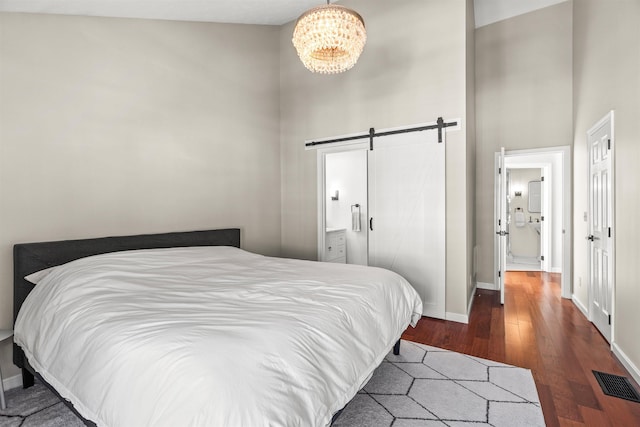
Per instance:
{"type": "Point", "coordinates": [189, 329]}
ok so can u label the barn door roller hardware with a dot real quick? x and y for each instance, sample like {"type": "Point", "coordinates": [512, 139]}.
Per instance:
{"type": "Point", "coordinates": [440, 124]}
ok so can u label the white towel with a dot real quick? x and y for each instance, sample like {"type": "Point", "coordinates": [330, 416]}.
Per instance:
{"type": "Point", "coordinates": [355, 220]}
{"type": "Point", "coordinates": [520, 220]}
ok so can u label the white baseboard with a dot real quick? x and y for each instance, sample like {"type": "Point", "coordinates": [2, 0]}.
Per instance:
{"type": "Point", "coordinates": [12, 382]}
{"type": "Point", "coordinates": [580, 306]}
{"type": "Point", "coordinates": [456, 317]}
{"type": "Point", "coordinates": [462, 318]}
{"type": "Point", "coordinates": [471, 300]}
{"type": "Point", "coordinates": [628, 364]}
{"type": "Point", "coordinates": [488, 286]}
{"type": "Point", "coordinates": [555, 270]}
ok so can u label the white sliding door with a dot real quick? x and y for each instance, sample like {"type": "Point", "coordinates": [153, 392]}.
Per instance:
{"type": "Point", "coordinates": [407, 213]}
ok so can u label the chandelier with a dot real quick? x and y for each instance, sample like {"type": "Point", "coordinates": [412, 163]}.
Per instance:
{"type": "Point", "coordinates": [329, 38]}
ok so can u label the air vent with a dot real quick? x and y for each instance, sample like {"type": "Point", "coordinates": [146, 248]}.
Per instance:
{"type": "Point", "coordinates": [617, 386]}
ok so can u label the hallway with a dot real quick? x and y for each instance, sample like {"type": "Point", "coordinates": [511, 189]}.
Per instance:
{"type": "Point", "coordinates": [538, 330]}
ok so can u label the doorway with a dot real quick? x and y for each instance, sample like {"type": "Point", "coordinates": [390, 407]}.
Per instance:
{"type": "Point", "coordinates": [400, 224]}
{"type": "Point", "coordinates": [555, 214]}
{"type": "Point", "coordinates": [346, 206]}
{"type": "Point", "coordinates": [524, 219]}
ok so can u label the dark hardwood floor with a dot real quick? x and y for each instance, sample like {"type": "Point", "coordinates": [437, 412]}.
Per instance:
{"type": "Point", "coordinates": [538, 330]}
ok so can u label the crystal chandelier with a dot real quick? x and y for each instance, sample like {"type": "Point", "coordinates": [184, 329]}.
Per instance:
{"type": "Point", "coordinates": [329, 39]}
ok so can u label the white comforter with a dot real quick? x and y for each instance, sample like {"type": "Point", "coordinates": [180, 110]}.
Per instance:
{"type": "Point", "coordinates": [211, 336]}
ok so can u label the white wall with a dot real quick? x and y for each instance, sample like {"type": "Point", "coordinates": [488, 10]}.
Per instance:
{"type": "Point", "coordinates": [347, 173]}
{"type": "Point", "coordinates": [490, 11]}
{"type": "Point", "coordinates": [606, 65]}
{"type": "Point", "coordinates": [121, 126]}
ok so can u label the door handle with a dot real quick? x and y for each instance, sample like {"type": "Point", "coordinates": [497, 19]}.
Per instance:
{"type": "Point", "coordinates": [371, 223]}
{"type": "Point", "coordinates": [592, 237]}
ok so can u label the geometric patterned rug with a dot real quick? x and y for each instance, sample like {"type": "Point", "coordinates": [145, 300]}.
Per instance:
{"type": "Point", "coordinates": [429, 386]}
{"type": "Point", "coordinates": [423, 386]}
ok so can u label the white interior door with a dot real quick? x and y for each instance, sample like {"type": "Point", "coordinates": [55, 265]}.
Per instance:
{"type": "Point", "coordinates": [502, 229]}
{"type": "Point", "coordinates": [545, 220]}
{"type": "Point", "coordinates": [407, 213]}
{"type": "Point", "coordinates": [599, 140]}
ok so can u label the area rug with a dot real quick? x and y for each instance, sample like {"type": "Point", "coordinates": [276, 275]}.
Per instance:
{"type": "Point", "coordinates": [423, 386]}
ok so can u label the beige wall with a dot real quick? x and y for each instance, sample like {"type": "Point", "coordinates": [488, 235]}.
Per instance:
{"type": "Point", "coordinates": [607, 77]}
{"type": "Point", "coordinates": [470, 128]}
{"type": "Point", "coordinates": [117, 126]}
{"type": "Point", "coordinates": [523, 100]}
{"type": "Point", "coordinates": [412, 71]}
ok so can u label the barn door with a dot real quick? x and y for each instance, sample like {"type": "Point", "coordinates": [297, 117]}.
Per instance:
{"type": "Point", "coordinates": [407, 213]}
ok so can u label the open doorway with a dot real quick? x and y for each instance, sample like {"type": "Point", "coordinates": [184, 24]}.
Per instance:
{"type": "Point", "coordinates": [346, 207]}
{"type": "Point", "coordinates": [525, 219]}
{"type": "Point", "coordinates": [384, 206]}
{"type": "Point", "coordinates": [555, 211]}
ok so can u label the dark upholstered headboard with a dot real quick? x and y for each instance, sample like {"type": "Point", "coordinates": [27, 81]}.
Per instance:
{"type": "Point", "coordinates": [31, 257]}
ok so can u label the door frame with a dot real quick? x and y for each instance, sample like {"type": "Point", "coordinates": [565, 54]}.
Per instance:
{"type": "Point", "coordinates": [545, 230]}
{"type": "Point", "coordinates": [349, 146]}
{"type": "Point", "coordinates": [501, 222]}
{"type": "Point", "coordinates": [322, 189]}
{"type": "Point", "coordinates": [532, 156]}
{"type": "Point", "coordinates": [609, 116]}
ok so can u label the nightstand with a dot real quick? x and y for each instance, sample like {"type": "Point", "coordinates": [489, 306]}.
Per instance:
{"type": "Point", "coordinates": [4, 334]}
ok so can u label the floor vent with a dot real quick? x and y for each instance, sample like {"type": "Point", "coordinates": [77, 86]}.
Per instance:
{"type": "Point", "coordinates": [617, 386]}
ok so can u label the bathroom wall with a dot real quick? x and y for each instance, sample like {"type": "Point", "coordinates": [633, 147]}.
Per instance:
{"type": "Point", "coordinates": [525, 241]}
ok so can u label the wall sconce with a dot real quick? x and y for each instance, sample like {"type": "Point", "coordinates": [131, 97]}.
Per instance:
{"type": "Point", "coordinates": [335, 195]}
{"type": "Point", "coordinates": [518, 193]}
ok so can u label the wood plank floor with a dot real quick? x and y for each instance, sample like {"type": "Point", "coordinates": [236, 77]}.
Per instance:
{"type": "Point", "coordinates": [538, 330]}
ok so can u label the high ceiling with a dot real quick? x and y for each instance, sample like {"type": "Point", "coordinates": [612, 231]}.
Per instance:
{"type": "Point", "coordinates": [268, 12]}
